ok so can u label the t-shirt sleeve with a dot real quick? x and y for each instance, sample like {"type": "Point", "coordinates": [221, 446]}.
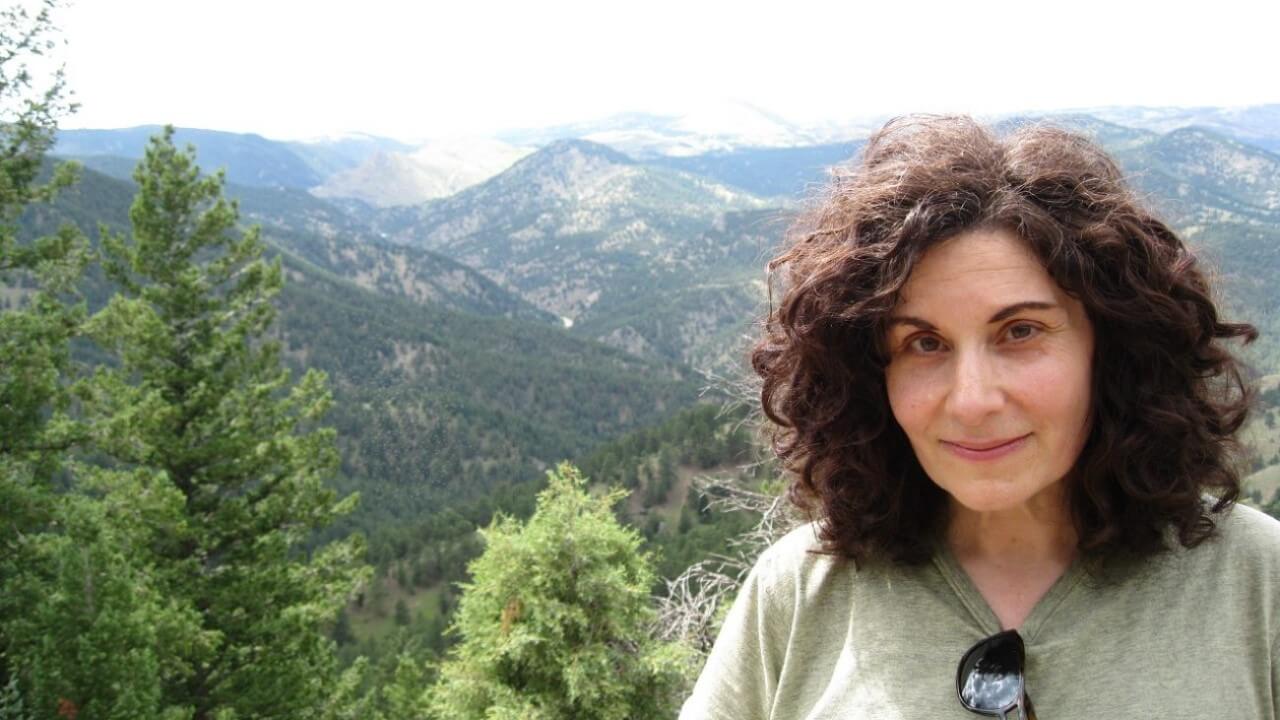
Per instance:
{"type": "Point", "coordinates": [740, 677]}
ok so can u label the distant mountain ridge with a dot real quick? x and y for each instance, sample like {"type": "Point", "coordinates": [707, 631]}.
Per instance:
{"type": "Point", "coordinates": [437, 169]}
{"type": "Point", "coordinates": [573, 225]}
{"type": "Point", "coordinates": [733, 143]}
{"type": "Point", "coordinates": [783, 173]}
{"type": "Point", "coordinates": [248, 159]}
{"type": "Point", "coordinates": [379, 171]}
{"type": "Point", "coordinates": [329, 155]}
{"type": "Point", "coordinates": [1253, 124]}
{"type": "Point", "coordinates": [322, 235]}
{"type": "Point", "coordinates": [703, 128]}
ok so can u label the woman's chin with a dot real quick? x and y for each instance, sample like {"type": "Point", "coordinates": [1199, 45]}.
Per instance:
{"type": "Point", "coordinates": [986, 503]}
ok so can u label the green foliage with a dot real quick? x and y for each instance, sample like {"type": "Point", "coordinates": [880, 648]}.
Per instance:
{"type": "Point", "coordinates": [34, 427]}
{"type": "Point", "coordinates": [37, 322]}
{"type": "Point", "coordinates": [432, 409]}
{"type": "Point", "coordinates": [198, 396]}
{"type": "Point", "coordinates": [555, 622]}
{"type": "Point", "coordinates": [12, 706]}
{"type": "Point", "coordinates": [705, 435]}
{"type": "Point", "coordinates": [342, 628]}
{"type": "Point", "coordinates": [438, 545]}
{"type": "Point", "coordinates": [94, 631]}
{"type": "Point", "coordinates": [401, 697]}
{"type": "Point", "coordinates": [364, 692]}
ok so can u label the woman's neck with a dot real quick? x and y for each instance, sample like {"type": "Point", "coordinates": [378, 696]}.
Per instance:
{"type": "Point", "coordinates": [1035, 533]}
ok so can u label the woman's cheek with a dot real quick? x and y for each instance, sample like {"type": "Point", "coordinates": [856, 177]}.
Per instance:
{"type": "Point", "coordinates": [1051, 379]}
{"type": "Point", "coordinates": [914, 388]}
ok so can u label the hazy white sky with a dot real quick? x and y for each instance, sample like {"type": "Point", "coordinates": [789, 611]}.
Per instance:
{"type": "Point", "coordinates": [412, 70]}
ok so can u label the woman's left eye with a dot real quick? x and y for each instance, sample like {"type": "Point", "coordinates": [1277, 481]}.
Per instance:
{"type": "Point", "coordinates": [1022, 331]}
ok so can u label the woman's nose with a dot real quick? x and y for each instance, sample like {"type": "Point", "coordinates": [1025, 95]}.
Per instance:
{"type": "Point", "coordinates": [976, 389]}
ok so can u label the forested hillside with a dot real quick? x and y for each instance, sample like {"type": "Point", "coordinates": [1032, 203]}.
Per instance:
{"type": "Point", "coordinates": [430, 406]}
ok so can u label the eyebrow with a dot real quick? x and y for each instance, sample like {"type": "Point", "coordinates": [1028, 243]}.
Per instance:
{"type": "Point", "coordinates": [1002, 314]}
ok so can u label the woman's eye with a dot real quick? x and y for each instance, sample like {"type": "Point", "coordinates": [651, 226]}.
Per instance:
{"type": "Point", "coordinates": [1022, 331]}
{"type": "Point", "coordinates": [925, 344]}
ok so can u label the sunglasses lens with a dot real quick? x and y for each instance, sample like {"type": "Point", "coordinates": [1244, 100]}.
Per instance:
{"type": "Point", "coordinates": [991, 674]}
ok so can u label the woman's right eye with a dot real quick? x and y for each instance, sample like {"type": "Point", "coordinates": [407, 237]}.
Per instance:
{"type": "Point", "coordinates": [926, 344]}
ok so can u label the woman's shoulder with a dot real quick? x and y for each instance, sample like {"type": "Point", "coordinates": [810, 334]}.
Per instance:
{"type": "Point", "coordinates": [797, 561]}
{"type": "Point", "coordinates": [1236, 571]}
{"type": "Point", "coordinates": [1248, 534]}
{"type": "Point", "coordinates": [1243, 550]}
{"type": "Point", "coordinates": [797, 547]}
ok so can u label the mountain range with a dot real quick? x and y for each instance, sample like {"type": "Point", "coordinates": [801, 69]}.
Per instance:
{"type": "Point", "coordinates": [397, 172]}
{"type": "Point", "coordinates": [580, 290]}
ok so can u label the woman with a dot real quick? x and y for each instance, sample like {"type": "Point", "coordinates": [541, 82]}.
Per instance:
{"type": "Point", "coordinates": [1001, 386]}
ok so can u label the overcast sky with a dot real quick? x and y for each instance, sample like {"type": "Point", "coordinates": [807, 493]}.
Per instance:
{"type": "Point", "coordinates": [414, 70]}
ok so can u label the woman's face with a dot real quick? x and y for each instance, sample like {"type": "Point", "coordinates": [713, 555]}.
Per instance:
{"type": "Point", "coordinates": [989, 371]}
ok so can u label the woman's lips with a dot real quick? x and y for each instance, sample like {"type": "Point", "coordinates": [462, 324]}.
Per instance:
{"type": "Point", "coordinates": [990, 450]}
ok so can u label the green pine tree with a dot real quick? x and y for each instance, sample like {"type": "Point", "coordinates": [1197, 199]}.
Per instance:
{"type": "Point", "coordinates": [98, 637]}
{"type": "Point", "coordinates": [37, 321]}
{"type": "Point", "coordinates": [35, 429]}
{"type": "Point", "coordinates": [200, 395]}
{"type": "Point", "coordinates": [555, 623]}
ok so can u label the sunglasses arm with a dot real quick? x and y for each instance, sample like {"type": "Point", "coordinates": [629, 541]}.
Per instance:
{"type": "Point", "coordinates": [1026, 711]}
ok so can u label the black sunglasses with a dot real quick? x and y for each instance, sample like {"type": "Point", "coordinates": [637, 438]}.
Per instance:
{"type": "Point", "coordinates": [990, 680]}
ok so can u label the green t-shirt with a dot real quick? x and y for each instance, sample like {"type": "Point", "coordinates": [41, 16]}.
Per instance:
{"type": "Point", "coordinates": [1183, 634]}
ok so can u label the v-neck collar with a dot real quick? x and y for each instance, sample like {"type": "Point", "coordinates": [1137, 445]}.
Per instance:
{"type": "Point", "coordinates": [981, 611]}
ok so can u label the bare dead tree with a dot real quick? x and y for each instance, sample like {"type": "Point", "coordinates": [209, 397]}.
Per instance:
{"type": "Point", "coordinates": [688, 612]}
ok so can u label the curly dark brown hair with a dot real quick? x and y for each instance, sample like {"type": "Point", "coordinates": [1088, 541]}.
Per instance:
{"type": "Point", "coordinates": [1168, 397]}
